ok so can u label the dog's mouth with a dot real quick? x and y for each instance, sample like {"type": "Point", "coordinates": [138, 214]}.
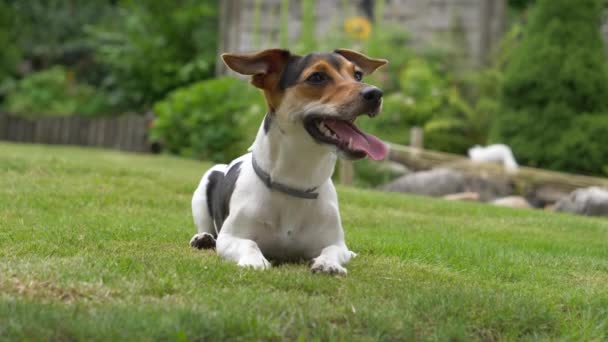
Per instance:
{"type": "Point", "coordinates": [343, 134]}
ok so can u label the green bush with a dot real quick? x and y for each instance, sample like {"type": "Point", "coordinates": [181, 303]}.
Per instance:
{"type": "Point", "coordinates": [54, 92]}
{"type": "Point", "coordinates": [10, 54]}
{"type": "Point", "coordinates": [52, 32]}
{"type": "Point", "coordinates": [153, 47]}
{"type": "Point", "coordinates": [432, 100]}
{"type": "Point", "coordinates": [586, 141]}
{"type": "Point", "coordinates": [214, 120]}
{"type": "Point", "coordinates": [556, 81]}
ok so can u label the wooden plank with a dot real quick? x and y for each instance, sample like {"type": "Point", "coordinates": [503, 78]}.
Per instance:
{"type": "Point", "coordinates": [140, 133]}
{"type": "Point", "coordinates": [122, 132]}
{"type": "Point", "coordinates": [64, 130]}
{"type": "Point", "coordinates": [144, 133]}
{"type": "Point", "coordinates": [137, 130]}
{"type": "Point", "coordinates": [11, 128]}
{"type": "Point", "coordinates": [3, 125]}
{"type": "Point", "coordinates": [100, 129]}
{"type": "Point", "coordinates": [111, 134]}
{"type": "Point", "coordinates": [30, 130]}
{"type": "Point", "coordinates": [524, 178]}
{"type": "Point", "coordinates": [48, 130]}
{"type": "Point", "coordinates": [126, 133]}
{"type": "Point", "coordinates": [417, 137]}
{"type": "Point", "coordinates": [131, 127]}
{"type": "Point", "coordinates": [19, 125]}
{"type": "Point", "coordinates": [55, 124]}
{"type": "Point", "coordinates": [38, 131]}
{"type": "Point", "coordinates": [73, 130]}
{"type": "Point", "coordinates": [93, 132]}
{"type": "Point", "coordinates": [48, 134]}
{"type": "Point", "coordinates": [83, 132]}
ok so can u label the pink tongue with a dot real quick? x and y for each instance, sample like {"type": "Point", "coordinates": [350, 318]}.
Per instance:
{"type": "Point", "coordinates": [361, 141]}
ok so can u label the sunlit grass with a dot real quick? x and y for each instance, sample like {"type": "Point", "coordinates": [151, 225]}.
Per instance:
{"type": "Point", "coordinates": [94, 246]}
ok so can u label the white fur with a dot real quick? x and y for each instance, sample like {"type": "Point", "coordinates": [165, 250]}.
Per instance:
{"type": "Point", "coordinates": [494, 153]}
{"type": "Point", "coordinates": [265, 224]}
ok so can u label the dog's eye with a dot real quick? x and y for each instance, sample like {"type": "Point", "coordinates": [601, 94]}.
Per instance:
{"type": "Point", "coordinates": [317, 78]}
{"type": "Point", "coordinates": [358, 75]}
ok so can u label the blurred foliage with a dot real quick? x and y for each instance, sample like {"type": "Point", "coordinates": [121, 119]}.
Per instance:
{"type": "Point", "coordinates": [520, 4]}
{"type": "Point", "coordinates": [156, 46]}
{"type": "Point", "coordinates": [52, 32]}
{"type": "Point", "coordinates": [213, 120]}
{"type": "Point", "coordinates": [584, 146]}
{"type": "Point", "coordinates": [54, 92]}
{"type": "Point", "coordinates": [9, 57]}
{"type": "Point", "coordinates": [555, 84]}
{"type": "Point", "coordinates": [133, 51]}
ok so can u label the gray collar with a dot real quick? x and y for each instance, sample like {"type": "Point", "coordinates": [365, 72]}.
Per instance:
{"type": "Point", "coordinates": [265, 177]}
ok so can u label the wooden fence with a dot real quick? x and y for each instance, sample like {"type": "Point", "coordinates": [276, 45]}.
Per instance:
{"type": "Point", "coordinates": [127, 132]}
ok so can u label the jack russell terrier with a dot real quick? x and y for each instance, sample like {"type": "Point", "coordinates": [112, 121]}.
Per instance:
{"type": "Point", "coordinates": [278, 201]}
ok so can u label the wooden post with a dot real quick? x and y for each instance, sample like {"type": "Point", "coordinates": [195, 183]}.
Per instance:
{"type": "Point", "coordinates": [347, 172]}
{"type": "Point", "coordinates": [229, 31]}
{"type": "Point", "coordinates": [416, 137]}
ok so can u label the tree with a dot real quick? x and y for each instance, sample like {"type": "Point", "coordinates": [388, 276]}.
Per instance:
{"type": "Point", "coordinates": [555, 85]}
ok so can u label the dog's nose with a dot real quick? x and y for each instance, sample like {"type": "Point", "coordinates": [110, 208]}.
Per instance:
{"type": "Point", "coordinates": [371, 94]}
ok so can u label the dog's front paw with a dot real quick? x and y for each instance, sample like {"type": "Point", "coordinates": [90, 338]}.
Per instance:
{"type": "Point", "coordinates": [323, 266]}
{"type": "Point", "coordinates": [254, 261]}
{"type": "Point", "coordinates": [202, 241]}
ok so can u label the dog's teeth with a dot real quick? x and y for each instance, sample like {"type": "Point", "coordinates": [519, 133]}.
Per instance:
{"type": "Point", "coordinates": [350, 143]}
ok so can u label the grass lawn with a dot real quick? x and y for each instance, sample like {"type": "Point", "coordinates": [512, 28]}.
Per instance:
{"type": "Point", "coordinates": [94, 246]}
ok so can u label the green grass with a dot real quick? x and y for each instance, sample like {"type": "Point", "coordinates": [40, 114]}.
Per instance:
{"type": "Point", "coordinates": [94, 246]}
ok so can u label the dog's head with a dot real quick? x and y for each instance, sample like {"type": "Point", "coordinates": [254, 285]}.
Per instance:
{"type": "Point", "coordinates": [320, 93]}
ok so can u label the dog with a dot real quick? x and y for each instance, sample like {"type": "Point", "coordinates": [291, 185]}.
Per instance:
{"type": "Point", "coordinates": [278, 202]}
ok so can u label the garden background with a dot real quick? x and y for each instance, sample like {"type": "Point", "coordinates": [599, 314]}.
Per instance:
{"type": "Point", "coordinates": [532, 76]}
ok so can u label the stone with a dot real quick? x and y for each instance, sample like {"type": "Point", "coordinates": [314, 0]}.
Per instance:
{"type": "Point", "coordinates": [436, 182]}
{"type": "Point", "coordinates": [442, 181]}
{"type": "Point", "coordinates": [489, 187]}
{"type": "Point", "coordinates": [592, 201]}
{"type": "Point", "coordinates": [545, 196]}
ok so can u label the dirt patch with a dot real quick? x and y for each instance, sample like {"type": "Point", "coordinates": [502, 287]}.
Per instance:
{"type": "Point", "coordinates": [49, 290]}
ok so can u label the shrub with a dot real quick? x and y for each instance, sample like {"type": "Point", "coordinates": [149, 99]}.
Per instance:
{"type": "Point", "coordinates": [556, 81]}
{"type": "Point", "coordinates": [52, 32]}
{"type": "Point", "coordinates": [586, 143]}
{"type": "Point", "coordinates": [214, 119]}
{"type": "Point", "coordinates": [154, 47]}
{"type": "Point", "coordinates": [434, 101]}
{"type": "Point", "coordinates": [10, 54]}
{"type": "Point", "coordinates": [54, 92]}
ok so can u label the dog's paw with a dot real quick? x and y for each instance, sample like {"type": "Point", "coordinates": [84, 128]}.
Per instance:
{"type": "Point", "coordinates": [324, 266]}
{"type": "Point", "coordinates": [255, 261]}
{"type": "Point", "coordinates": [202, 241]}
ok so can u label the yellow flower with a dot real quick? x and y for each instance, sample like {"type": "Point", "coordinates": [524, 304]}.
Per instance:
{"type": "Point", "coordinates": [358, 27]}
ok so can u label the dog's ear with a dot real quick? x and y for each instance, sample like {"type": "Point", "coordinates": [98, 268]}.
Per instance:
{"type": "Point", "coordinates": [367, 64]}
{"type": "Point", "coordinates": [259, 65]}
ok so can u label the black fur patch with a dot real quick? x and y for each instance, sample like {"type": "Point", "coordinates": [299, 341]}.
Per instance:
{"type": "Point", "coordinates": [267, 122]}
{"type": "Point", "coordinates": [297, 64]}
{"type": "Point", "coordinates": [219, 192]}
